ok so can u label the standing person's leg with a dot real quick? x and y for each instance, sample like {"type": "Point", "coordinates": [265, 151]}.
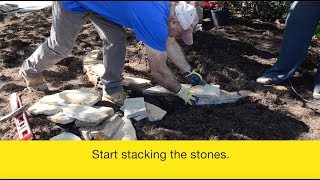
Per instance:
{"type": "Point", "coordinates": [300, 25]}
{"type": "Point", "coordinates": [64, 30]}
{"type": "Point", "coordinates": [114, 51]}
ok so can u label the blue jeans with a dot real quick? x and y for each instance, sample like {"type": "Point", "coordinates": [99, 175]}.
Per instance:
{"type": "Point", "coordinates": [301, 23]}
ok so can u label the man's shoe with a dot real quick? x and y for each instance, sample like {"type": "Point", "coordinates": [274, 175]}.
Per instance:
{"type": "Point", "coordinates": [316, 95]}
{"type": "Point", "coordinates": [116, 98]}
{"type": "Point", "coordinates": [264, 80]}
{"type": "Point", "coordinates": [37, 83]}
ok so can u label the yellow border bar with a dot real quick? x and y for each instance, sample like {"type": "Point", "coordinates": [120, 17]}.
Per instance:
{"type": "Point", "coordinates": [160, 159]}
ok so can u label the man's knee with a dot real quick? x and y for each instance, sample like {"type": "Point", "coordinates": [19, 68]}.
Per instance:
{"type": "Point", "coordinates": [120, 36]}
{"type": "Point", "coordinates": [61, 48]}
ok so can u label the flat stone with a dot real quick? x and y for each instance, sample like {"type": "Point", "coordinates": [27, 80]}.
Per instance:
{"type": "Point", "coordinates": [85, 133]}
{"type": "Point", "coordinates": [4, 8]}
{"type": "Point", "coordinates": [94, 72]}
{"type": "Point", "coordinates": [206, 95]}
{"type": "Point", "coordinates": [89, 62]}
{"type": "Point", "coordinates": [135, 83]}
{"type": "Point", "coordinates": [106, 129]}
{"type": "Point", "coordinates": [81, 96]}
{"type": "Point", "coordinates": [134, 107]}
{"type": "Point", "coordinates": [97, 69]}
{"type": "Point", "coordinates": [12, 5]}
{"type": "Point", "coordinates": [280, 88]}
{"type": "Point", "coordinates": [247, 93]}
{"type": "Point", "coordinates": [94, 79]}
{"type": "Point", "coordinates": [86, 115]}
{"type": "Point", "coordinates": [140, 117]}
{"type": "Point", "coordinates": [125, 131]}
{"type": "Point", "coordinates": [53, 99]}
{"type": "Point", "coordinates": [161, 91]}
{"type": "Point", "coordinates": [46, 109]}
{"type": "Point", "coordinates": [91, 58]}
{"type": "Point", "coordinates": [65, 136]}
{"type": "Point", "coordinates": [103, 108]}
{"type": "Point", "coordinates": [154, 112]}
{"type": "Point", "coordinates": [60, 118]}
{"type": "Point", "coordinates": [225, 97]}
{"type": "Point", "coordinates": [205, 91]}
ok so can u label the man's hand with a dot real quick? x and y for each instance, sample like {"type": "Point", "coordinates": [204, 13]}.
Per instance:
{"type": "Point", "coordinates": [195, 78]}
{"type": "Point", "coordinates": [185, 94]}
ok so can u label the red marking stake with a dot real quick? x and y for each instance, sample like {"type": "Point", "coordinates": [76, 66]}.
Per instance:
{"type": "Point", "coordinates": [21, 120]}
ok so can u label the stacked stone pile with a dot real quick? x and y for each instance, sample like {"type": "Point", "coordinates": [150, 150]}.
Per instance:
{"type": "Point", "coordinates": [93, 122]}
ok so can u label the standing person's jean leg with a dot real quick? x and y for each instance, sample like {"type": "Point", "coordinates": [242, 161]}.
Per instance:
{"type": "Point", "coordinates": [65, 28]}
{"type": "Point", "coordinates": [300, 26]}
{"type": "Point", "coordinates": [114, 51]}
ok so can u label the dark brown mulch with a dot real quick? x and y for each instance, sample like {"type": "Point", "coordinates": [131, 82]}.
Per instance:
{"type": "Point", "coordinates": [233, 56]}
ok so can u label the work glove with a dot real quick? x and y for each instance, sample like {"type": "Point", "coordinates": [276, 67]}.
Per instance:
{"type": "Point", "coordinates": [185, 94]}
{"type": "Point", "coordinates": [195, 78]}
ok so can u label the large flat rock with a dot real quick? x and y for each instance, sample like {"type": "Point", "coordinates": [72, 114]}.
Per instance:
{"type": "Point", "coordinates": [154, 112]}
{"type": "Point", "coordinates": [53, 99]}
{"type": "Point", "coordinates": [80, 96]}
{"type": "Point", "coordinates": [135, 83]}
{"type": "Point", "coordinates": [198, 90]}
{"type": "Point", "coordinates": [97, 69]}
{"type": "Point", "coordinates": [140, 117]}
{"type": "Point", "coordinates": [66, 136]}
{"type": "Point", "coordinates": [46, 109]}
{"type": "Point", "coordinates": [134, 107]}
{"type": "Point", "coordinates": [106, 129]}
{"type": "Point", "coordinates": [160, 91]}
{"type": "Point", "coordinates": [103, 131]}
{"type": "Point", "coordinates": [60, 118]}
{"type": "Point", "coordinates": [125, 131]}
{"type": "Point", "coordinates": [86, 115]}
{"type": "Point", "coordinates": [225, 97]}
{"type": "Point", "coordinates": [92, 58]}
{"type": "Point", "coordinates": [85, 133]}
{"type": "Point", "coordinates": [210, 94]}
{"type": "Point", "coordinates": [206, 91]}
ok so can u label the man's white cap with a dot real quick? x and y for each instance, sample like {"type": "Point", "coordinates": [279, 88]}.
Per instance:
{"type": "Point", "coordinates": [188, 18]}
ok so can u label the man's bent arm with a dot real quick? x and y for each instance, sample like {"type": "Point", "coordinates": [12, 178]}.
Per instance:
{"type": "Point", "coordinates": [176, 55]}
{"type": "Point", "coordinates": [160, 71]}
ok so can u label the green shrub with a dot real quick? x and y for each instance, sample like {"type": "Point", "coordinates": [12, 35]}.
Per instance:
{"type": "Point", "coordinates": [264, 10]}
{"type": "Point", "coordinates": [317, 32]}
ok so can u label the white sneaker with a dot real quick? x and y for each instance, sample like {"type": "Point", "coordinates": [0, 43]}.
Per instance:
{"type": "Point", "coordinates": [316, 95]}
{"type": "Point", "coordinates": [264, 80]}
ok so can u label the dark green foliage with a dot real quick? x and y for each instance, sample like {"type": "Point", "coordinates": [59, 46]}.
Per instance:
{"type": "Point", "coordinates": [317, 32]}
{"type": "Point", "coordinates": [264, 10]}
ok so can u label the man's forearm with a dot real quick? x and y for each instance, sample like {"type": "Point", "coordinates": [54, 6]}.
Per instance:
{"type": "Point", "coordinates": [161, 72]}
{"type": "Point", "coordinates": [166, 79]}
{"type": "Point", "coordinates": [176, 55]}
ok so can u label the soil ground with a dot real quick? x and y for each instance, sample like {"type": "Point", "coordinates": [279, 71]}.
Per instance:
{"type": "Point", "coordinates": [233, 56]}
